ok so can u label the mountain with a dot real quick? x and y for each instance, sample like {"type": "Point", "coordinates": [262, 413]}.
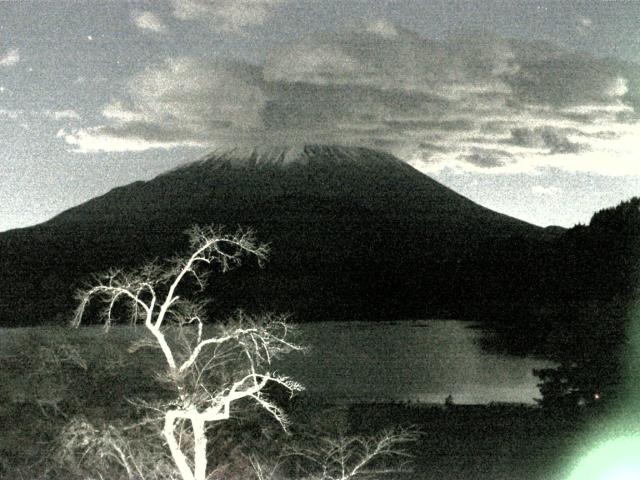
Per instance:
{"type": "Point", "coordinates": [355, 233]}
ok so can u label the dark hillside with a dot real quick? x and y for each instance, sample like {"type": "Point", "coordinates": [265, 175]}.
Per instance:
{"type": "Point", "coordinates": [584, 313]}
{"type": "Point", "coordinates": [355, 233]}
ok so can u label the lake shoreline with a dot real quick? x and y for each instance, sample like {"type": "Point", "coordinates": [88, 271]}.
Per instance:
{"type": "Point", "coordinates": [423, 361]}
{"type": "Point", "coordinates": [500, 441]}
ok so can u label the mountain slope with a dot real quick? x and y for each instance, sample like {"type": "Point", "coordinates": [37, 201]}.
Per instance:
{"type": "Point", "coordinates": [354, 233]}
{"type": "Point", "coordinates": [370, 179]}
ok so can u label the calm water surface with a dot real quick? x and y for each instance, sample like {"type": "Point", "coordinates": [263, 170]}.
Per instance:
{"type": "Point", "coordinates": [412, 360]}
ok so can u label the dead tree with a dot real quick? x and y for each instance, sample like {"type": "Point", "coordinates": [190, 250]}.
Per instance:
{"type": "Point", "coordinates": [211, 367]}
{"type": "Point", "coordinates": [353, 457]}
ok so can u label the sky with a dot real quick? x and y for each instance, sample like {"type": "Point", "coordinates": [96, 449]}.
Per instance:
{"type": "Point", "coordinates": [530, 108]}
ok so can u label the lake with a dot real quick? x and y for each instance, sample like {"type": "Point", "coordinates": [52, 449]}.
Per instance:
{"type": "Point", "coordinates": [421, 361]}
{"type": "Point", "coordinates": [412, 360]}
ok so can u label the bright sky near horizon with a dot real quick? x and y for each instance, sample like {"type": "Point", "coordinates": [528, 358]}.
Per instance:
{"type": "Point", "coordinates": [531, 108]}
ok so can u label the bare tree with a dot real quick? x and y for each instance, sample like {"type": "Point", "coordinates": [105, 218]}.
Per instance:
{"type": "Point", "coordinates": [352, 457]}
{"type": "Point", "coordinates": [342, 457]}
{"type": "Point", "coordinates": [210, 371]}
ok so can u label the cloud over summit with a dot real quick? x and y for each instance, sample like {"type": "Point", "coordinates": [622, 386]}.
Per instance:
{"type": "Point", "coordinates": [474, 102]}
{"type": "Point", "coordinates": [148, 21]}
{"type": "Point", "coordinates": [226, 15]}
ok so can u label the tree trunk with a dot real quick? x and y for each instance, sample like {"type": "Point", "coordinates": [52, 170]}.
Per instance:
{"type": "Point", "coordinates": [200, 448]}
{"type": "Point", "coordinates": [178, 457]}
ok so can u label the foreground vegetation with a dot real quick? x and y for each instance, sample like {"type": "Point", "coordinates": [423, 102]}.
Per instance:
{"type": "Point", "coordinates": [84, 391]}
{"type": "Point", "coordinates": [199, 380]}
{"type": "Point", "coordinates": [481, 442]}
{"type": "Point", "coordinates": [204, 403]}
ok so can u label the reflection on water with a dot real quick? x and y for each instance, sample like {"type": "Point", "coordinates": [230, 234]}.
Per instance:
{"type": "Point", "coordinates": [414, 360]}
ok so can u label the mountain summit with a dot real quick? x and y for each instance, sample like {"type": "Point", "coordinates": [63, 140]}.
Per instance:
{"type": "Point", "coordinates": [298, 155]}
{"type": "Point", "coordinates": [354, 233]}
{"type": "Point", "coordinates": [216, 186]}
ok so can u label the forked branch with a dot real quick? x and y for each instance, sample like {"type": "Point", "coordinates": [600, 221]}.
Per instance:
{"type": "Point", "coordinates": [196, 363]}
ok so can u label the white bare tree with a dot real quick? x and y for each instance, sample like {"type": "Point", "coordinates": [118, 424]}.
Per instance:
{"type": "Point", "coordinates": [342, 457]}
{"type": "Point", "coordinates": [356, 456]}
{"type": "Point", "coordinates": [212, 368]}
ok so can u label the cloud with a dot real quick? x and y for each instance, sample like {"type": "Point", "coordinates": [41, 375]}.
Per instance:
{"type": "Point", "coordinates": [105, 139]}
{"type": "Point", "coordinates": [488, 158]}
{"type": "Point", "coordinates": [226, 15]}
{"type": "Point", "coordinates": [148, 21]}
{"type": "Point", "coordinates": [11, 114]}
{"type": "Point", "coordinates": [38, 114]}
{"type": "Point", "coordinates": [62, 114]}
{"type": "Point", "coordinates": [183, 102]}
{"type": "Point", "coordinates": [366, 56]}
{"type": "Point", "coordinates": [548, 138]}
{"type": "Point", "coordinates": [545, 191]}
{"type": "Point", "coordinates": [471, 103]}
{"type": "Point", "coordinates": [10, 58]}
